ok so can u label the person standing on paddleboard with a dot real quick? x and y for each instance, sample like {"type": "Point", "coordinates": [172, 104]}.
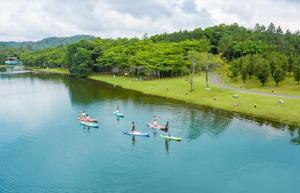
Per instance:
{"type": "Point", "coordinates": [133, 127]}
{"type": "Point", "coordinates": [155, 121]}
{"type": "Point", "coordinates": [167, 127]}
{"type": "Point", "coordinates": [118, 109]}
{"type": "Point", "coordinates": [83, 114]}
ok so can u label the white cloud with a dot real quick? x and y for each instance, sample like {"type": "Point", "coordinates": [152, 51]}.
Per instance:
{"type": "Point", "coordinates": [282, 12]}
{"type": "Point", "coordinates": [35, 19]}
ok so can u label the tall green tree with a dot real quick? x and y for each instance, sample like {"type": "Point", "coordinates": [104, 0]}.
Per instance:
{"type": "Point", "coordinates": [296, 73]}
{"type": "Point", "coordinates": [278, 75]}
{"type": "Point", "coordinates": [245, 63]}
{"type": "Point", "coordinates": [277, 60]}
{"type": "Point", "coordinates": [194, 59]}
{"type": "Point", "coordinates": [235, 69]}
{"type": "Point", "coordinates": [224, 43]}
{"type": "Point", "coordinates": [263, 72]}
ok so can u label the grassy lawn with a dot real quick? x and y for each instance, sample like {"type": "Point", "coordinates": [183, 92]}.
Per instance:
{"type": "Point", "coordinates": [288, 86]}
{"type": "Point", "coordinates": [52, 70]}
{"type": "Point", "coordinates": [179, 89]}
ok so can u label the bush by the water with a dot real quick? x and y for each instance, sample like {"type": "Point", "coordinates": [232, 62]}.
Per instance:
{"type": "Point", "coordinates": [80, 71]}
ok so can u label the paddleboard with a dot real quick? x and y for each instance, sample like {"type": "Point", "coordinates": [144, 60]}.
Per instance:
{"type": "Point", "coordinates": [84, 119]}
{"type": "Point", "coordinates": [137, 133]}
{"type": "Point", "coordinates": [171, 137]}
{"type": "Point", "coordinates": [118, 114]}
{"type": "Point", "coordinates": [155, 127]}
{"type": "Point", "coordinates": [89, 124]}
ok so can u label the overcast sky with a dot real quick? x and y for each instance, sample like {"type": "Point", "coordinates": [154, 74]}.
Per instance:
{"type": "Point", "coordinates": [36, 19]}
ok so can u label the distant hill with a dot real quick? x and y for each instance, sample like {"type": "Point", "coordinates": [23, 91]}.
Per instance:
{"type": "Point", "coordinates": [45, 43]}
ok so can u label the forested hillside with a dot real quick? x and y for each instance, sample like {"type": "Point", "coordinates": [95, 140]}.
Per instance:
{"type": "Point", "coordinates": [45, 43]}
{"type": "Point", "coordinates": [262, 52]}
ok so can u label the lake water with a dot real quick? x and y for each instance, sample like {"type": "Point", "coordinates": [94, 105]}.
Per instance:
{"type": "Point", "coordinates": [43, 148]}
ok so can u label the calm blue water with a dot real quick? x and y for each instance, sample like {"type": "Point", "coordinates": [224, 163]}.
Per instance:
{"type": "Point", "coordinates": [44, 149]}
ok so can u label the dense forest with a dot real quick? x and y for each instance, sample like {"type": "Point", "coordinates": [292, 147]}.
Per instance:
{"type": "Point", "coordinates": [262, 52]}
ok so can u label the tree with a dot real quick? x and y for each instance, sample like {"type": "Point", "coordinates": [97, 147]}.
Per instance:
{"type": "Point", "coordinates": [166, 54]}
{"type": "Point", "coordinates": [161, 59]}
{"type": "Point", "coordinates": [194, 59]}
{"type": "Point", "coordinates": [114, 57]}
{"type": "Point", "coordinates": [97, 52]}
{"type": "Point", "coordinates": [235, 69]}
{"type": "Point", "coordinates": [202, 61]}
{"type": "Point", "coordinates": [79, 58]}
{"type": "Point", "coordinates": [271, 28]}
{"type": "Point", "coordinates": [297, 73]}
{"type": "Point", "coordinates": [276, 60]}
{"type": "Point", "coordinates": [263, 72]}
{"type": "Point", "coordinates": [239, 49]}
{"type": "Point", "coordinates": [81, 70]}
{"type": "Point", "coordinates": [244, 69]}
{"type": "Point", "coordinates": [291, 62]}
{"type": "Point", "coordinates": [206, 60]}
{"type": "Point", "coordinates": [224, 43]}
{"type": "Point", "coordinates": [259, 28]}
{"type": "Point", "coordinates": [279, 30]}
{"type": "Point", "coordinates": [278, 75]}
{"type": "Point", "coordinates": [198, 45]}
{"type": "Point", "coordinates": [251, 65]}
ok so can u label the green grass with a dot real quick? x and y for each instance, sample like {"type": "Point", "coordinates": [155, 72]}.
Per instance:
{"type": "Point", "coordinates": [288, 86]}
{"type": "Point", "coordinates": [53, 70]}
{"type": "Point", "coordinates": [179, 89]}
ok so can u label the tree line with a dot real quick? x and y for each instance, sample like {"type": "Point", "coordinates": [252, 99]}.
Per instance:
{"type": "Point", "coordinates": [262, 52]}
{"type": "Point", "coordinates": [133, 56]}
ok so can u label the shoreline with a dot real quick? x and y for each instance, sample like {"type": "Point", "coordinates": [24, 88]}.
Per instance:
{"type": "Point", "coordinates": [177, 89]}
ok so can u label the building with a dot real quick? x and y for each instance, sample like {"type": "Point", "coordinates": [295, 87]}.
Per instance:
{"type": "Point", "coordinates": [12, 61]}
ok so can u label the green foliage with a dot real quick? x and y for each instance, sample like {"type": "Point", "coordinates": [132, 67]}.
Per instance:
{"type": "Point", "coordinates": [198, 45]}
{"type": "Point", "coordinates": [278, 75]}
{"type": "Point", "coordinates": [4, 53]}
{"type": "Point", "coordinates": [81, 70]}
{"type": "Point", "coordinates": [165, 55]}
{"type": "Point", "coordinates": [113, 57]}
{"type": "Point", "coordinates": [297, 73]}
{"type": "Point", "coordinates": [225, 43]}
{"type": "Point", "coordinates": [235, 69]}
{"type": "Point", "coordinates": [52, 57]}
{"type": "Point", "coordinates": [179, 36]}
{"type": "Point", "coordinates": [263, 71]}
{"type": "Point", "coordinates": [238, 49]}
{"type": "Point", "coordinates": [45, 43]}
{"type": "Point", "coordinates": [245, 64]}
{"type": "Point", "coordinates": [277, 60]}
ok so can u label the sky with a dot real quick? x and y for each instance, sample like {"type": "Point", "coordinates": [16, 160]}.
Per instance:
{"type": "Point", "coordinates": [23, 20]}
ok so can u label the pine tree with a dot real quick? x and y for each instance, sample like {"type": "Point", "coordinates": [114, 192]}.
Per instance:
{"type": "Point", "coordinates": [263, 72]}
{"type": "Point", "coordinates": [278, 75]}
{"type": "Point", "coordinates": [297, 73]}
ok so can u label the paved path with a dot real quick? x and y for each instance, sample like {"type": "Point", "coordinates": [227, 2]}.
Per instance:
{"type": "Point", "coordinates": [215, 80]}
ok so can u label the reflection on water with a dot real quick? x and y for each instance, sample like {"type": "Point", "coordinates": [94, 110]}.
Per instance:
{"type": "Point", "coordinates": [43, 148]}
{"type": "Point", "coordinates": [133, 140]}
{"type": "Point", "coordinates": [84, 92]}
{"type": "Point", "coordinates": [2, 69]}
{"type": "Point", "coordinates": [208, 122]}
{"type": "Point", "coordinates": [167, 146]}
{"type": "Point", "coordinates": [295, 136]}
